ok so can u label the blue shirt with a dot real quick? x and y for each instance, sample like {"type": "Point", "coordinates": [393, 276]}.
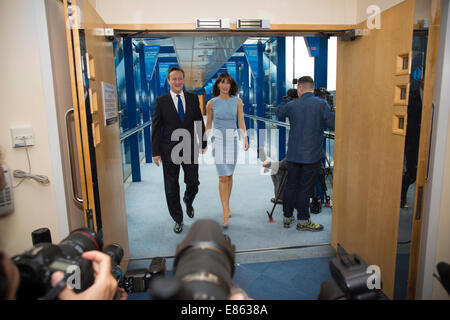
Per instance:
{"type": "Point", "coordinates": [308, 116]}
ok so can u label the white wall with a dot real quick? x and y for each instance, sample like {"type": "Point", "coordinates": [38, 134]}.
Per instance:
{"type": "Point", "coordinates": [362, 5]}
{"type": "Point", "coordinates": [181, 12]}
{"type": "Point", "coordinates": [436, 224]}
{"type": "Point", "coordinates": [26, 99]}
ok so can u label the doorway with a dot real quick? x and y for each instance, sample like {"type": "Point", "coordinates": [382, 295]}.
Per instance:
{"type": "Point", "coordinates": [280, 61]}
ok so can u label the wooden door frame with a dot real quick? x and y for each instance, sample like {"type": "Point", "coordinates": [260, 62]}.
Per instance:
{"type": "Point", "coordinates": [424, 146]}
{"type": "Point", "coordinates": [81, 130]}
{"type": "Point", "coordinates": [93, 135]}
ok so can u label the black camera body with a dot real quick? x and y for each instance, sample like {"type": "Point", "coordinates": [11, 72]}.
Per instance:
{"type": "Point", "coordinates": [138, 280]}
{"type": "Point", "coordinates": [37, 265]}
{"type": "Point", "coordinates": [349, 281]}
{"type": "Point", "coordinates": [291, 94]}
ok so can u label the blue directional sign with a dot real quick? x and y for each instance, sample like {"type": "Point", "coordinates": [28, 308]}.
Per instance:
{"type": "Point", "coordinates": [232, 69]}
{"type": "Point", "coordinates": [313, 44]}
{"type": "Point", "coordinates": [251, 52]}
{"type": "Point", "coordinates": [151, 56]}
{"type": "Point", "coordinates": [163, 70]}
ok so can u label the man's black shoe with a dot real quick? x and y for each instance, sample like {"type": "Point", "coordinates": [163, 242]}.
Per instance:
{"type": "Point", "coordinates": [189, 210]}
{"type": "Point", "coordinates": [178, 227]}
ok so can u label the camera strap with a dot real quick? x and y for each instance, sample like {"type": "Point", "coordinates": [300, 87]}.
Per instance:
{"type": "Point", "coordinates": [53, 293]}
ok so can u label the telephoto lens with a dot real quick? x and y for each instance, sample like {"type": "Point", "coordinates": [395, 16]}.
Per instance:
{"type": "Point", "coordinates": [204, 262]}
{"type": "Point", "coordinates": [80, 241]}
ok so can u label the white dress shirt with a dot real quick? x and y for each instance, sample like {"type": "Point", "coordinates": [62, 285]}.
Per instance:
{"type": "Point", "coordinates": [175, 100]}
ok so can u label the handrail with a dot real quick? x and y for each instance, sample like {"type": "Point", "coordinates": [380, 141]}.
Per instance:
{"type": "Point", "coordinates": [276, 122]}
{"type": "Point", "coordinates": [131, 132]}
{"type": "Point", "coordinates": [127, 134]}
{"type": "Point", "coordinates": [327, 134]}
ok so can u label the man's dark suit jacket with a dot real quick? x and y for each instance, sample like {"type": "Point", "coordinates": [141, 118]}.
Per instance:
{"type": "Point", "coordinates": [166, 120]}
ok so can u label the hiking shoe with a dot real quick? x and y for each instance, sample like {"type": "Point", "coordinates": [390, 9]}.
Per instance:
{"type": "Point", "coordinates": [287, 221]}
{"type": "Point", "coordinates": [309, 226]}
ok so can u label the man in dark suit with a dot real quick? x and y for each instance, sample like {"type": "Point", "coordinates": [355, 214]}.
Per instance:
{"type": "Point", "coordinates": [308, 117]}
{"type": "Point", "coordinates": [177, 133]}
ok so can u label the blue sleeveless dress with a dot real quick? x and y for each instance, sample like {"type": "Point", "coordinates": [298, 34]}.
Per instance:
{"type": "Point", "coordinates": [225, 135]}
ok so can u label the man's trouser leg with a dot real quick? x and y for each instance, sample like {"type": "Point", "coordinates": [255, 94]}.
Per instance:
{"type": "Point", "coordinates": [192, 182]}
{"type": "Point", "coordinates": [308, 175]}
{"type": "Point", "coordinates": [171, 173]}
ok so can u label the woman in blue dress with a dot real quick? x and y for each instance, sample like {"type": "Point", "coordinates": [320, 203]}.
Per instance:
{"type": "Point", "coordinates": [222, 111]}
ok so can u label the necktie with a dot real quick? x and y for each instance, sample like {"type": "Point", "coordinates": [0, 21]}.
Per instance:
{"type": "Point", "coordinates": [180, 108]}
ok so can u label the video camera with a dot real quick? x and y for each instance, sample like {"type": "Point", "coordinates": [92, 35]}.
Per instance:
{"type": "Point", "coordinates": [326, 95]}
{"type": "Point", "coordinates": [292, 94]}
{"type": "Point", "coordinates": [37, 265]}
{"type": "Point", "coordinates": [203, 267]}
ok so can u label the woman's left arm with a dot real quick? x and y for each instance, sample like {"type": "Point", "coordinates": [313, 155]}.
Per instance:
{"type": "Point", "coordinates": [240, 111]}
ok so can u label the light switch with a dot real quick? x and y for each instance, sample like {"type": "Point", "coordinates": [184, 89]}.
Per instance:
{"type": "Point", "coordinates": [22, 136]}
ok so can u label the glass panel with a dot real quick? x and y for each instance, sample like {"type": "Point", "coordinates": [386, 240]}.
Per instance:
{"type": "Point", "coordinates": [418, 67]}
{"type": "Point", "coordinates": [126, 160]}
{"type": "Point", "coordinates": [141, 145]}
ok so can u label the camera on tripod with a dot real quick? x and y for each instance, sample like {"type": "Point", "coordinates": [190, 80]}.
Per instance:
{"type": "Point", "coordinates": [37, 265]}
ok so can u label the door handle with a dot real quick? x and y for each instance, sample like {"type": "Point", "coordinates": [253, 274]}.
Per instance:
{"type": "Point", "coordinates": [75, 197]}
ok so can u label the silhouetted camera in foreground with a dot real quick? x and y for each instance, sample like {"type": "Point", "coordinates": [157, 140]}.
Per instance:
{"type": "Point", "coordinates": [352, 279]}
{"type": "Point", "coordinates": [204, 266]}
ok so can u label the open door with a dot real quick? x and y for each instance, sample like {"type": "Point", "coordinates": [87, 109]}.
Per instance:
{"type": "Point", "coordinates": [371, 101]}
{"type": "Point", "coordinates": [91, 64]}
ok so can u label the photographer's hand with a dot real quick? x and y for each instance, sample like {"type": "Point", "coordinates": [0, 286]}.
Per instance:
{"type": "Point", "coordinates": [104, 287]}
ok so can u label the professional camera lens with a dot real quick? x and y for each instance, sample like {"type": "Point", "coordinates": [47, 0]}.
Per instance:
{"type": "Point", "coordinates": [204, 262]}
{"type": "Point", "coordinates": [80, 241]}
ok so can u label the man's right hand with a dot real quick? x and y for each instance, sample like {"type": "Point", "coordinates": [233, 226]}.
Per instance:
{"type": "Point", "coordinates": [157, 160]}
{"type": "Point", "coordinates": [104, 286]}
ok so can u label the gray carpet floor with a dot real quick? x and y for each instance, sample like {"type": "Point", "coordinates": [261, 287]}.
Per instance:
{"type": "Point", "coordinates": [150, 226]}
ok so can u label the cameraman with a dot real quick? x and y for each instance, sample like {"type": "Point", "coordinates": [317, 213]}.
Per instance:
{"type": "Point", "coordinates": [308, 117]}
{"type": "Point", "coordinates": [104, 287]}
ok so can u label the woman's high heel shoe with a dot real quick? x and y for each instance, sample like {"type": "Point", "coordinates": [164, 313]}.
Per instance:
{"type": "Point", "coordinates": [225, 221]}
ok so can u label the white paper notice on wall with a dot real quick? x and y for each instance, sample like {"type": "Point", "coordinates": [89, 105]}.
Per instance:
{"type": "Point", "coordinates": [109, 103]}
